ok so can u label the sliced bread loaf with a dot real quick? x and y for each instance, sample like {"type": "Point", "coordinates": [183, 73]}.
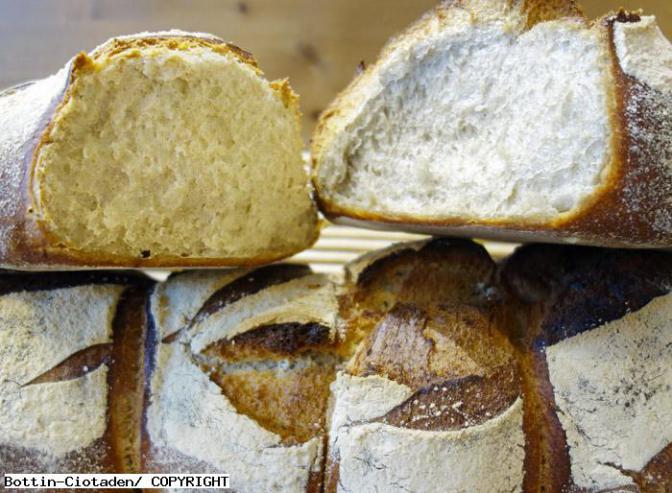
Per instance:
{"type": "Point", "coordinates": [159, 149]}
{"type": "Point", "coordinates": [515, 120]}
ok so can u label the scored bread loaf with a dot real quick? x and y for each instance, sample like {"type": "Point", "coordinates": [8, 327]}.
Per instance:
{"type": "Point", "coordinates": [428, 368]}
{"type": "Point", "coordinates": [507, 119]}
{"type": "Point", "coordinates": [551, 374]}
{"type": "Point", "coordinates": [430, 399]}
{"type": "Point", "coordinates": [71, 372]}
{"type": "Point", "coordinates": [157, 149]}
{"type": "Point", "coordinates": [240, 377]}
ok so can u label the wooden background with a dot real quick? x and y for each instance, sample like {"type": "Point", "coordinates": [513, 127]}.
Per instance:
{"type": "Point", "coordinates": [317, 43]}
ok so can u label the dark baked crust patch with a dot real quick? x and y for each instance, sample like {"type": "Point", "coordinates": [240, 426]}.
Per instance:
{"type": "Point", "coordinates": [457, 404]}
{"type": "Point", "coordinates": [272, 341]}
{"type": "Point", "coordinates": [581, 288]}
{"type": "Point", "coordinates": [442, 271]}
{"type": "Point", "coordinates": [15, 281]}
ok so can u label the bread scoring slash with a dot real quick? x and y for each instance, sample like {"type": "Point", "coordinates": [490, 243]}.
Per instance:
{"type": "Point", "coordinates": [515, 120]}
{"type": "Point", "coordinates": [151, 151]}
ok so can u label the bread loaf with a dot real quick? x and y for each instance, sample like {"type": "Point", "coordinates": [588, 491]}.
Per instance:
{"type": "Point", "coordinates": [158, 149]}
{"type": "Point", "coordinates": [240, 379]}
{"type": "Point", "coordinates": [550, 374]}
{"type": "Point", "coordinates": [431, 399]}
{"type": "Point", "coordinates": [515, 120]}
{"type": "Point", "coordinates": [428, 368]}
{"type": "Point", "coordinates": [71, 372]}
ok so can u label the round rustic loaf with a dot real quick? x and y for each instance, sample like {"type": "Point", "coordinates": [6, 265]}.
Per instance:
{"type": "Point", "coordinates": [241, 374]}
{"type": "Point", "coordinates": [428, 367]}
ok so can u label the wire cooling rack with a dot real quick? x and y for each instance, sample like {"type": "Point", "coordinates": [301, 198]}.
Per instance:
{"type": "Point", "coordinates": [339, 245]}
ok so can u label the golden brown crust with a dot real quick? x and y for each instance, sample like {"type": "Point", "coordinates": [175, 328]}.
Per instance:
{"type": "Point", "coordinates": [422, 278]}
{"type": "Point", "coordinates": [30, 245]}
{"type": "Point", "coordinates": [172, 41]}
{"type": "Point", "coordinates": [292, 404]}
{"type": "Point", "coordinates": [629, 209]}
{"type": "Point", "coordinates": [538, 11]}
{"type": "Point", "coordinates": [547, 466]}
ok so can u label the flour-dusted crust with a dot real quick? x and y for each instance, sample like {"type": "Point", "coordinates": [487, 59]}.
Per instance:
{"type": "Point", "coordinates": [177, 301]}
{"type": "Point", "coordinates": [28, 112]}
{"type": "Point", "coordinates": [430, 368]}
{"type": "Point", "coordinates": [616, 409]}
{"type": "Point", "coordinates": [191, 416]}
{"type": "Point", "coordinates": [629, 207]}
{"type": "Point", "coordinates": [569, 376]}
{"type": "Point", "coordinates": [240, 376]}
{"type": "Point", "coordinates": [596, 358]}
{"type": "Point", "coordinates": [376, 457]}
{"type": "Point", "coordinates": [71, 371]}
{"type": "Point", "coordinates": [430, 392]}
{"type": "Point", "coordinates": [373, 456]}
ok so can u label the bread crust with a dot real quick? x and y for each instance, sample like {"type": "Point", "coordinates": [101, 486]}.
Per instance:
{"type": "Point", "coordinates": [427, 317]}
{"type": "Point", "coordinates": [628, 209]}
{"type": "Point", "coordinates": [543, 296]}
{"type": "Point", "coordinates": [26, 241]}
{"type": "Point", "coordinates": [272, 377]}
{"type": "Point", "coordinates": [437, 325]}
{"type": "Point", "coordinates": [561, 293]}
{"type": "Point", "coordinates": [118, 449]}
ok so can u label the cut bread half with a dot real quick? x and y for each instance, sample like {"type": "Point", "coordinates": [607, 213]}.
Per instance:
{"type": "Point", "coordinates": [515, 120]}
{"type": "Point", "coordinates": [159, 149]}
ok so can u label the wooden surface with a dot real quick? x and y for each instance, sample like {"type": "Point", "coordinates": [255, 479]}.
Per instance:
{"type": "Point", "coordinates": [317, 43]}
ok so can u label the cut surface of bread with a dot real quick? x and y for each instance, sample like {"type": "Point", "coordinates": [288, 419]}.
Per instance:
{"type": "Point", "coordinates": [168, 149]}
{"type": "Point", "coordinates": [507, 119]}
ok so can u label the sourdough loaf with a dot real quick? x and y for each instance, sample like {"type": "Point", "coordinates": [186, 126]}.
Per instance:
{"type": "Point", "coordinates": [551, 373]}
{"type": "Point", "coordinates": [153, 150]}
{"type": "Point", "coordinates": [512, 120]}
{"type": "Point", "coordinates": [430, 399]}
{"type": "Point", "coordinates": [428, 368]}
{"type": "Point", "coordinates": [241, 374]}
{"type": "Point", "coordinates": [71, 372]}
